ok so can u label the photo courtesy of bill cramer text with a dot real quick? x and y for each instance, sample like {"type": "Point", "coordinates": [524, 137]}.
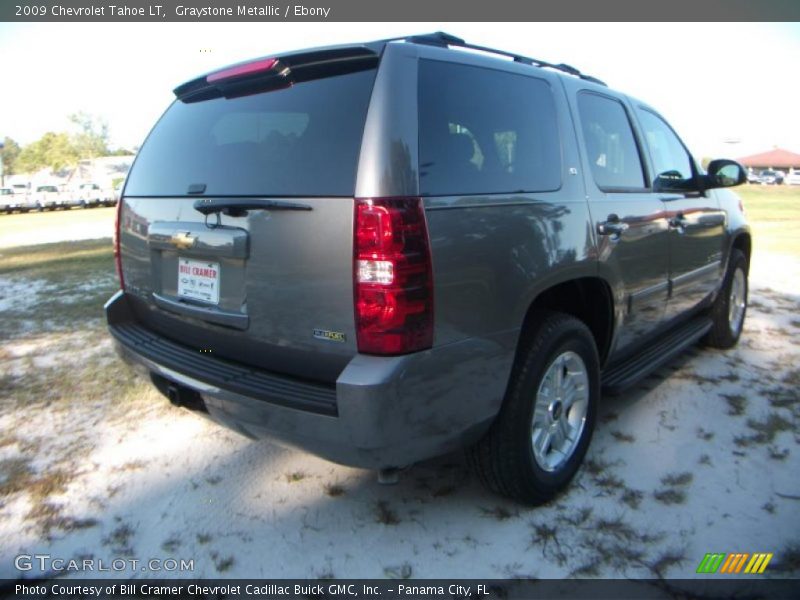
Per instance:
{"type": "Point", "coordinates": [155, 11]}
{"type": "Point", "coordinates": [387, 590]}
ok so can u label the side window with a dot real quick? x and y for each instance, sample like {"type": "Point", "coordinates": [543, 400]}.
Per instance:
{"type": "Point", "coordinates": [610, 145]}
{"type": "Point", "coordinates": [483, 131]}
{"type": "Point", "coordinates": [672, 165]}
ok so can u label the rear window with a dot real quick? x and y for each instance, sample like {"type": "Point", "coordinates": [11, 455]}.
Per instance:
{"type": "Point", "coordinates": [483, 131]}
{"type": "Point", "coordinates": [300, 141]}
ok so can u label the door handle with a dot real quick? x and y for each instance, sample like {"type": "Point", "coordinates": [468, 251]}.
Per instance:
{"type": "Point", "coordinates": [612, 227]}
{"type": "Point", "coordinates": [678, 221]}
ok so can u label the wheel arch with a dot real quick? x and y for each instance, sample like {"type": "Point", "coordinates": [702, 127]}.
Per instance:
{"type": "Point", "coordinates": [588, 299]}
{"type": "Point", "coordinates": [743, 242]}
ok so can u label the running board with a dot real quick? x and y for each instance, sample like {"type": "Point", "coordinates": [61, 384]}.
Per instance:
{"type": "Point", "coordinates": [623, 375]}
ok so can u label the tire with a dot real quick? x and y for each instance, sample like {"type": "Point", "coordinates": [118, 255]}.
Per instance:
{"type": "Point", "coordinates": [506, 460]}
{"type": "Point", "coordinates": [730, 308]}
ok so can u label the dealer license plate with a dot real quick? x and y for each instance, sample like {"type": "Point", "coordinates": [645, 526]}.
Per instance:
{"type": "Point", "coordinates": [198, 280]}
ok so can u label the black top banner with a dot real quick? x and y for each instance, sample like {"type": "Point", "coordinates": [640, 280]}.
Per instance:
{"type": "Point", "coordinates": [405, 10]}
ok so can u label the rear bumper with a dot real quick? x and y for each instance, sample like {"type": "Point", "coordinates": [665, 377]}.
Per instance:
{"type": "Point", "coordinates": [381, 412]}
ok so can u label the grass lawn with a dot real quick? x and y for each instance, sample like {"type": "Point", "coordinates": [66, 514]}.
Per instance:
{"type": "Point", "coordinates": [55, 287]}
{"type": "Point", "coordinates": [774, 213]}
{"type": "Point", "coordinates": [59, 261]}
{"type": "Point", "coordinates": [58, 376]}
{"type": "Point", "coordinates": [55, 219]}
{"type": "Point", "coordinates": [36, 228]}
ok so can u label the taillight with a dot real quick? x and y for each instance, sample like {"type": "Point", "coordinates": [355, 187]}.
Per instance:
{"type": "Point", "coordinates": [117, 253]}
{"type": "Point", "coordinates": [393, 276]}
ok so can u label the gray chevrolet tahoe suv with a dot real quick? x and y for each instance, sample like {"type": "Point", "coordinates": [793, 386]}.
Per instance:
{"type": "Point", "coordinates": [384, 252]}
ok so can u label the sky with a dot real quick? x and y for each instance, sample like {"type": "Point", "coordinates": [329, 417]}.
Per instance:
{"type": "Point", "coordinates": [729, 89]}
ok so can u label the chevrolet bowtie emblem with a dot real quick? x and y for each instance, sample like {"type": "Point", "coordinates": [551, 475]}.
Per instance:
{"type": "Point", "coordinates": [183, 240]}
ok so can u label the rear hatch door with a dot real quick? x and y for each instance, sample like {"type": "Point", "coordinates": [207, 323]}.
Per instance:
{"type": "Point", "coordinates": [236, 222]}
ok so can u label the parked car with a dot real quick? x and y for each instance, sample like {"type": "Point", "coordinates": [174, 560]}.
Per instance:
{"type": "Point", "coordinates": [384, 252]}
{"type": "Point", "coordinates": [753, 177]}
{"type": "Point", "coordinates": [21, 189]}
{"type": "Point", "coordinates": [71, 199]}
{"type": "Point", "coordinates": [793, 178]}
{"type": "Point", "coordinates": [47, 197]}
{"type": "Point", "coordinates": [770, 177]}
{"type": "Point", "coordinates": [9, 201]}
{"type": "Point", "coordinates": [91, 195]}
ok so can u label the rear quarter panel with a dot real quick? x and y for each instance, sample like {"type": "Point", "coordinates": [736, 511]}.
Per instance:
{"type": "Point", "coordinates": [493, 254]}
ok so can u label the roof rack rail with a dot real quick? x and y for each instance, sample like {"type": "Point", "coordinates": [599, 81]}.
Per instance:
{"type": "Point", "coordinates": [444, 40]}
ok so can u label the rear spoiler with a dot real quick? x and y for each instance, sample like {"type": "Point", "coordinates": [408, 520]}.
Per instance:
{"type": "Point", "coordinates": [268, 73]}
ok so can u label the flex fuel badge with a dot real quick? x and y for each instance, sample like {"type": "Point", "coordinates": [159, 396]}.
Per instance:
{"type": "Point", "coordinates": [331, 336]}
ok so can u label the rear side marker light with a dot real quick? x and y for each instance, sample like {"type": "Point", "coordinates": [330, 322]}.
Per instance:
{"type": "Point", "coordinates": [392, 276]}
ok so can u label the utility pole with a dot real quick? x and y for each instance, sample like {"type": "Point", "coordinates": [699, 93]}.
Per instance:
{"type": "Point", "coordinates": [2, 175]}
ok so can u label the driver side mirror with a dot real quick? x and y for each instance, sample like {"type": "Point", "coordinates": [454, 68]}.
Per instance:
{"type": "Point", "coordinates": [724, 173]}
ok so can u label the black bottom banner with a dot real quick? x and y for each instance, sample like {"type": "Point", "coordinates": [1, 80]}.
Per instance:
{"type": "Point", "coordinates": [371, 589]}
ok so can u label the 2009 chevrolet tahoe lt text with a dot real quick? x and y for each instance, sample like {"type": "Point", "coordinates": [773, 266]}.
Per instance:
{"type": "Point", "coordinates": [384, 252]}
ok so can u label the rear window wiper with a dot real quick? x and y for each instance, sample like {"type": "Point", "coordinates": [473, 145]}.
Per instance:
{"type": "Point", "coordinates": [238, 207]}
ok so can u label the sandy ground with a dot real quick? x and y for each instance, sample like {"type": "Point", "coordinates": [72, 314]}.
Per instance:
{"type": "Point", "coordinates": [702, 457]}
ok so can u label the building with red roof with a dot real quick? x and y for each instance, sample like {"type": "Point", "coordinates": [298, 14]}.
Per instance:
{"type": "Point", "coordinates": [774, 159]}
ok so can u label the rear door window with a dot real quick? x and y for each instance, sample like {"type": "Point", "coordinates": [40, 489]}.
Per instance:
{"type": "Point", "coordinates": [483, 131]}
{"type": "Point", "coordinates": [610, 144]}
{"type": "Point", "coordinates": [300, 141]}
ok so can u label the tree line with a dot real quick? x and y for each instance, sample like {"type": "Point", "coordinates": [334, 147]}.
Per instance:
{"type": "Point", "coordinates": [57, 151]}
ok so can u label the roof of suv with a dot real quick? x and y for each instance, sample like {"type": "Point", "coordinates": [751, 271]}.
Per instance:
{"type": "Point", "coordinates": [309, 59]}
{"type": "Point", "coordinates": [445, 40]}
